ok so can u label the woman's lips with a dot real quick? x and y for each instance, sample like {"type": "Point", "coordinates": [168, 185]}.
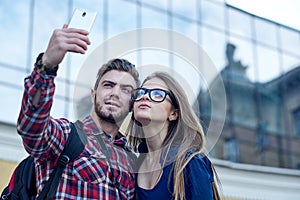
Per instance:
{"type": "Point", "coordinates": [143, 106]}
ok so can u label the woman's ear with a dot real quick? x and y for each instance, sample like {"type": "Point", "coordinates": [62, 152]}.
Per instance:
{"type": "Point", "coordinates": [173, 115]}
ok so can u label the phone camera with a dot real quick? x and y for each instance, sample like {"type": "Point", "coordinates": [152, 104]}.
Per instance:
{"type": "Point", "coordinates": [83, 14]}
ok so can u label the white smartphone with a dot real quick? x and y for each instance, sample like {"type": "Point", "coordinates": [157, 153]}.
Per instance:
{"type": "Point", "coordinates": [82, 19]}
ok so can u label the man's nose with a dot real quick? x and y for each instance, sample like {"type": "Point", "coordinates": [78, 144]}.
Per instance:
{"type": "Point", "coordinates": [115, 91]}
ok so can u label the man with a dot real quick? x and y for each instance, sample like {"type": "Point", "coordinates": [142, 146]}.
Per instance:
{"type": "Point", "coordinates": [91, 175]}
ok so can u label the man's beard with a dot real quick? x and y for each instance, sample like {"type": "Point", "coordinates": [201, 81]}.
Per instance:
{"type": "Point", "coordinates": [108, 115]}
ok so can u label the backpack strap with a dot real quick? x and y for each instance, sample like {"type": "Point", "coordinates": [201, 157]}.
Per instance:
{"type": "Point", "coordinates": [74, 146]}
{"type": "Point", "coordinates": [107, 155]}
{"type": "Point", "coordinates": [20, 181]}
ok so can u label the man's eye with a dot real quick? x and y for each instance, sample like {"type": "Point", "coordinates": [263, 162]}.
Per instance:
{"type": "Point", "coordinates": [127, 90]}
{"type": "Point", "coordinates": [107, 85]}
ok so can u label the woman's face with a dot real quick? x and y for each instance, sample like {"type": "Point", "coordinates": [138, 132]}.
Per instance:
{"type": "Point", "coordinates": [147, 111]}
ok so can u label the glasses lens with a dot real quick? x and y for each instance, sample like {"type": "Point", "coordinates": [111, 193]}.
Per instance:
{"type": "Point", "coordinates": [138, 94]}
{"type": "Point", "coordinates": [157, 95]}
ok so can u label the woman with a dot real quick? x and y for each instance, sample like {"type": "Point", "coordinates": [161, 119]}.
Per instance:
{"type": "Point", "coordinates": [170, 140]}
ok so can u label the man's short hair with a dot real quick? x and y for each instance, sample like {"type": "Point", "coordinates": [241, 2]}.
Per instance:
{"type": "Point", "coordinates": [118, 64]}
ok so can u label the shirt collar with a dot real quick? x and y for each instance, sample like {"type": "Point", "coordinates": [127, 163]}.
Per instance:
{"type": "Point", "coordinates": [91, 126]}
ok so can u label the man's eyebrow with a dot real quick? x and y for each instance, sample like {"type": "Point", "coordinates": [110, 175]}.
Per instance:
{"type": "Point", "coordinates": [127, 85]}
{"type": "Point", "coordinates": [107, 81]}
{"type": "Point", "coordinates": [114, 83]}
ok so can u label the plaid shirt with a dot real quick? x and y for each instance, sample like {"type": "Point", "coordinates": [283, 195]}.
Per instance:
{"type": "Point", "coordinates": [89, 176]}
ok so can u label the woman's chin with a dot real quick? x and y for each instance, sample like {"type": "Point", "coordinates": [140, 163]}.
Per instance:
{"type": "Point", "coordinates": [144, 121]}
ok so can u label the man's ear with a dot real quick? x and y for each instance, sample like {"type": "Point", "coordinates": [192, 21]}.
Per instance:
{"type": "Point", "coordinates": [93, 93]}
{"type": "Point", "coordinates": [173, 115]}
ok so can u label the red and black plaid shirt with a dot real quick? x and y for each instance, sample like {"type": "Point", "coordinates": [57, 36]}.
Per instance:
{"type": "Point", "coordinates": [89, 176]}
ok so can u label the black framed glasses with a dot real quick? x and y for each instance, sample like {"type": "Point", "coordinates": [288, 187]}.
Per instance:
{"type": "Point", "coordinates": [155, 94]}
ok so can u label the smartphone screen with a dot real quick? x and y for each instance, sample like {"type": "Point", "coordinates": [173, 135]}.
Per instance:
{"type": "Point", "coordinates": [82, 19]}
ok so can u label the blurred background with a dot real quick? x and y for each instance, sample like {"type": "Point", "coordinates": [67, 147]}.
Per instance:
{"type": "Point", "coordinates": [257, 60]}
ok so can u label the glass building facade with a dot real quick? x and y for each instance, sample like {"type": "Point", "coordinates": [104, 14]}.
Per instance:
{"type": "Point", "coordinates": [257, 61]}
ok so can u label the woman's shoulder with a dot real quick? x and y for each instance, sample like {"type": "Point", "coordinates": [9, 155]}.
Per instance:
{"type": "Point", "coordinates": [199, 163]}
{"type": "Point", "coordinates": [198, 156]}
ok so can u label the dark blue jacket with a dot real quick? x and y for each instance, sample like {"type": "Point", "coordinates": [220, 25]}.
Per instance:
{"type": "Point", "coordinates": [198, 178]}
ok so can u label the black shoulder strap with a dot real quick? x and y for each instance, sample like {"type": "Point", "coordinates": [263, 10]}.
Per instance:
{"type": "Point", "coordinates": [104, 149]}
{"type": "Point", "coordinates": [22, 181]}
{"type": "Point", "coordinates": [132, 157]}
{"type": "Point", "coordinates": [74, 146]}
{"type": "Point", "coordinates": [107, 155]}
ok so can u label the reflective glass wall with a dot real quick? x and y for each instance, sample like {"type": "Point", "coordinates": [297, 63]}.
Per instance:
{"type": "Point", "coordinates": [257, 61]}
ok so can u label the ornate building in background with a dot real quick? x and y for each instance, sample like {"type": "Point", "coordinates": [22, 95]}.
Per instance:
{"type": "Point", "coordinates": [262, 123]}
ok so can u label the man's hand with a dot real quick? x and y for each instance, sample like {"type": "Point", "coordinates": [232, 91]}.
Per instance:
{"type": "Point", "coordinates": [65, 40]}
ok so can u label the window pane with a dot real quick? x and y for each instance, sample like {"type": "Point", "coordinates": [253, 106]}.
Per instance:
{"type": "Point", "coordinates": [11, 104]}
{"type": "Point", "coordinates": [59, 108]}
{"type": "Point", "coordinates": [62, 87]}
{"type": "Point", "coordinates": [290, 40]}
{"type": "Point", "coordinates": [12, 76]}
{"type": "Point", "coordinates": [268, 64]}
{"type": "Point", "coordinates": [185, 28]}
{"type": "Point", "coordinates": [296, 117]}
{"type": "Point", "coordinates": [290, 62]}
{"type": "Point", "coordinates": [126, 22]}
{"type": "Point", "coordinates": [14, 32]}
{"type": "Point", "coordinates": [214, 44]}
{"type": "Point", "coordinates": [244, 54]}
{"type": "Point", "coordinates": [154, 19]}
{"type": "Point", "coordinates": [160, 4]}
{"type": "Point", "coordinates": [265, 32]}
{"type": "Point", "coordinates": [239, 23]}
{"type": "Point", "coordinates": [212, 14]}
{"type": "Point", "coordinates": [185, 9]}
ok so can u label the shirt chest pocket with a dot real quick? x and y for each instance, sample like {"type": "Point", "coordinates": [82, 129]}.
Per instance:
{"type": "Point", "coordinates": [91, 167]}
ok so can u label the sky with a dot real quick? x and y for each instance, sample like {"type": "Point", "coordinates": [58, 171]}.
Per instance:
{"type": "Point", "coordinates": [282, 11]}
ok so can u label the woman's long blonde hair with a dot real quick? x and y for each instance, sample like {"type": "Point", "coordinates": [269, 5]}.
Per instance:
{"type": "Point", "coordinates": [184, 134]}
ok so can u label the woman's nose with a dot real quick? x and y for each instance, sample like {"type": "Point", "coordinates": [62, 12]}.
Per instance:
{"type": "Point", "coordinates": [145, 96]}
